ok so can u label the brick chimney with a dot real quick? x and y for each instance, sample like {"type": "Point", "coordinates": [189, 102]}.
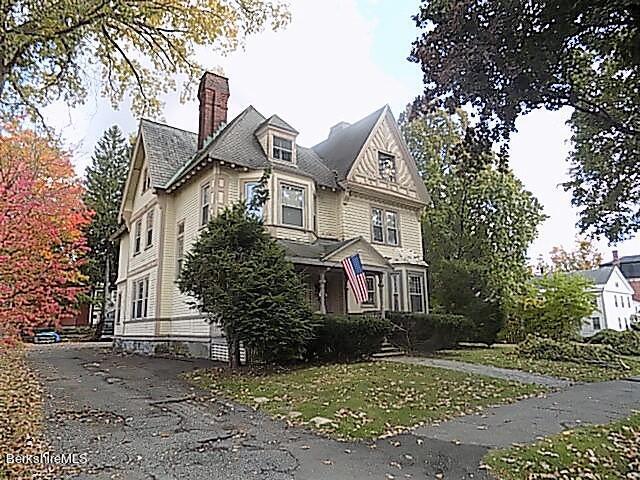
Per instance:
{"type": "Point", "coordinates": [213, 94]}
{"type": "Point", "coordinates": [616, 260]}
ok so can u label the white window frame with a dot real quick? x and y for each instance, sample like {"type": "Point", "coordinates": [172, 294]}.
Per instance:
{"type": "Point", "coordinates": [149, 230]}
{"type": "Point", "coordinates": [412, 294]}
{"type": "Point", "coordinates": [395, 292]}
{"type": "Point", "coordinates": [371, 293]}
{"type": "Point", "coordinates": [139, 298]}
{"type": "Point", "coordinates": [278, 151]}
{"type": "Point", "coordinates": [248, 193]}
{"type": "Point", "coordinates": [179, 247]}
{"type": "Point", "coordinates": [303, 191]}
{"type": "Point", "coordinates": [146, 180]}
{"type": "Point", "coordinates": [205, 203]}
{"type": "Point", "coordinates": [384, 225]}
{"type": "Point", "coordinates": [391, 174]}
{"type": "Point", "coordinates": [137, 237]}
{"type": "Point", "coordinates": [118, 308]}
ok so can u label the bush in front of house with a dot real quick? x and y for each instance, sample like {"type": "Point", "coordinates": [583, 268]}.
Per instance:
{"type": "Point", "coordinates": [552, 306]}
{"type": "Point", "coordinates": [539, 348]}
{"type": "Point", "coordinates": [424, 333]}
{"type": "Point", "coordinates": [346, 337]}
{"type": "Point", "coordinates": [624, 343]}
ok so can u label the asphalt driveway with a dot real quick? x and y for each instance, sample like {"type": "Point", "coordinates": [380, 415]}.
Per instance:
{"type": "Point", "coordinates": [136, 419]}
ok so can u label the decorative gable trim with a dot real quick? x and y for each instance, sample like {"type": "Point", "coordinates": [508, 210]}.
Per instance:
{"type": "Point", "coordinates": [363, 245]}
{"type": "Point", "coordinates": [133, 176]}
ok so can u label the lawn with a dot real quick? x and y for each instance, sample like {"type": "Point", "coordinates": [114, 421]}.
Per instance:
{"type": "Point", "coordinates": [609, 452]}
{"type": "Point", "coordinates": [502, 356]}
{"type": "Point", "coordinates": [21, 415]}
{"type": "Point", "coordinates": [364, 400]}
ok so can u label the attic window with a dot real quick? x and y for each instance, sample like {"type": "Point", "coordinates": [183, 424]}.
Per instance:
{"type": "Point", "coordinates": [387, 166]}
{"type": "Point", "coordinates": [146, 181]}
{"type": "Point", "coordinates": [282, 149]}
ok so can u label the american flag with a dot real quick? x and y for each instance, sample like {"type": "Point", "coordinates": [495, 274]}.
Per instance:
{"type": "Point", "coordinates": [353, 268]}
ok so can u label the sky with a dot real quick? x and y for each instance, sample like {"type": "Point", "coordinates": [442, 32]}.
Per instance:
{"type": "Point", "coordinates": [340, 60]}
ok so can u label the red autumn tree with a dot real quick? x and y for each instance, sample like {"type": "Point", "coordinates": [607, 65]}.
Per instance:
{"type": "Point", "coordinates": [41, 241]}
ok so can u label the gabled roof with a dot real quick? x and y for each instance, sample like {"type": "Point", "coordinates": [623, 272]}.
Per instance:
{"type": "Point", "coordinates": [166, 148]}
{"type": "Point", "coordinates": [316, 250]}
{"type": "Point", "coordinates": [599, 276]}
{"type": "Point", "coordinates": [237, 143]}
{"type": "Point", "coordinates": [341, 149]}
{"type": "Point", "coordinates": [629, 265]}
{"type": "Point", "coordinates": [276, 121]}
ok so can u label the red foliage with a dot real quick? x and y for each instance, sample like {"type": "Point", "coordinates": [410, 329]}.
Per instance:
{"type": "Point", "coordinates": [42, 246]}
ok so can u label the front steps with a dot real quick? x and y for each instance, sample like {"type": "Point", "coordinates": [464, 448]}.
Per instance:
{"type": "Point", "coordinates": [387, 350]}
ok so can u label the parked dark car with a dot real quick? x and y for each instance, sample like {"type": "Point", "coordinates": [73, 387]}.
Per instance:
{"type": "Point", "coordinates": [47, 336]}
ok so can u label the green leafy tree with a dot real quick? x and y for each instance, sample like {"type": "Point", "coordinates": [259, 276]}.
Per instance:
{"type": "Point", "coordinates": [50, 48]}
{"type": "Point", "coordinates": [478, 226]}
{"type": "Point", "coordinates": [551, 306]}
{"type": "Point", "coordinates": [508, 57]}
{"type": "Point", "coordinates": [239, 275]}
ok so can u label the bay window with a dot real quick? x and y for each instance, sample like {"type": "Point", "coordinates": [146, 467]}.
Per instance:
{"type": "Point", "coordinates": [292, 201]}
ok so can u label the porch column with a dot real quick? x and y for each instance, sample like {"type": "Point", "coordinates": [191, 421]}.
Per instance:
{"type": "Point", "coordinates": [381, 293]}
{"type": "Point", "coordinates": [323, 283]}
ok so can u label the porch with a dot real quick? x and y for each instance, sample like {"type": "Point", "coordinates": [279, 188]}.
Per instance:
{"type": "Point", "coordinates": [400, 287]}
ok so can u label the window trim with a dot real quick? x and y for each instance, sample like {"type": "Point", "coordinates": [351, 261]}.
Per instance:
{"type": "Point", "coordinates": [395, 166]}
{"type": "Point", "coordinates": [137, 236]}
{"type": "Point", "coordinates": [413, 273]}
{"type": "Point", "coordinates": [119, 317]}
{"type": "Point", "coordinates": [385, 228]}
{"type": "Point", "coordinates": [372, 300]}
{"type": "Point", "coordinates": [146, 180]}
{"type": "Point", "coordinates": [202, 221]}
{"type": "Point", "coordinates": [179, 251]}
{"type": "Point", "coordinates": [139, 304]}
{"type": "Point", "coordinates": [149, 230]}
{"type": "Point", "coordinates": [393, 295]}
{"type": "Point", "coordinates": [245, 184]}
{"type": "Point", "coordinates": [282, 149]}
{"type": "Point", "coordinates": [303, 188]}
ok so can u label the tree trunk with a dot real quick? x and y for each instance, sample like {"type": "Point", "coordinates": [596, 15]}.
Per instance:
{"type": "Point", "coordinates": [234, 352]}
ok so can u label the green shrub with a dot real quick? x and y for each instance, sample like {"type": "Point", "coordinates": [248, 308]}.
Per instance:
{"type": "Point", "coordinates": [345, 338]}
{"type": "Point", "coordinates": [624, 343]}
{"type": "Point", "coordinates": [538, 348]}
{"type": "Point", "coordinates": [552, 306]}
{"type": "Point", "coordinates": [429, 332]}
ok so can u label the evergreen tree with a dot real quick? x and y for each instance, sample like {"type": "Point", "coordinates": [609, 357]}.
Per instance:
{"type": "Point", "coordinates": [239, 275]}
{"type": "Point", "coordinates": [104, 184]}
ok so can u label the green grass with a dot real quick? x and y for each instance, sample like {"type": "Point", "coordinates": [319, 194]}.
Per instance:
{"type": "Point", "coordinates": [609, 452]}
{"type": "Point", "coordinates": [506, 357]}
{"type": "Point", "coordinates": [365, 400]}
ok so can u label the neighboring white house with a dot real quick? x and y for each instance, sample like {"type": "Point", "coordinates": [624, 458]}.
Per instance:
{"type": "Point", "coordinates": [614, 300]}
{"type": "Point", "coordinates": [358, 191]}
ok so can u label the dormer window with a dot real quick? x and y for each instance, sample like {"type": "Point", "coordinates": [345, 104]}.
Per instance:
{"type": "Point", "coordinates": [387, 166]}
{"type": "Point", "coordinates": [282, 149]}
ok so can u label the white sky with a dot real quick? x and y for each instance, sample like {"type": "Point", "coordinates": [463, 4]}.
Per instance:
{"type": "Point", "coordinates": [340, 60]}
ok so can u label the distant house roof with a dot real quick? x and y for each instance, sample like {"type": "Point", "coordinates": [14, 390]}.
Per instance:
{"type": "Point", "coordinates": [599, 276]}
{"type": "Point", "coordinates": [276, 121]}
{"type": "Point", "coordinates": [341, 149]}
{"type": "Point", "coordinates": [629, 266]}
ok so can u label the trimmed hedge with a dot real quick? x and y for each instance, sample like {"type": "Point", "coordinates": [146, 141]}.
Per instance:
{"type": "Point", "coordinates": [624, 343]}
{"type": "Point", "coordinates": [346, 338]}
{"type": "Point", "coordinates": [538, 348]}
{"type": "Point", "coordinates": [429, 332]}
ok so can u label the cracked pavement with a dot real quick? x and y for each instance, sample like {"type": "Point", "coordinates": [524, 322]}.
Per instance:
{"type": "Point", "coordinates": [135, 418]}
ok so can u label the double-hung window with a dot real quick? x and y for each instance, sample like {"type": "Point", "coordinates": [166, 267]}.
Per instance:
{"type": "Point", "coordinates": [179, 248]}
{"type": "Point", "coordinates": [371, 290]}
{"type": "Point", "coordinates": [596, 323]}
{"type": "Point", "coordinates": [205, 203]}
{"type": "Point", "coordinates": [249, 193]}
{"type": "Point", "coordinates": [387, 166]}
{"type": "Point", "coordinates": [384, 226]}
{"type": "Point", "coordinates": [292, 201]}
{"type": "Point", "coordinates": [282, 149]}
{"type": "Point", "coordinates": [140, 298]}
{"type": "Point", "coordinates": [149, 229]}
{"type": "Point", "coordinates": [137, 237]}
{"type": "Point", "coordinates": [416, 292]}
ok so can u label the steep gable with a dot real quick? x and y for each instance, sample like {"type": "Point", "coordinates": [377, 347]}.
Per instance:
{"type": "Point", "coordinates": [386, 139]}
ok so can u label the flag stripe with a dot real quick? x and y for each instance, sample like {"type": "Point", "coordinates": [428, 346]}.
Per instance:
{"type": "Point", "coordinates": [356, 277]}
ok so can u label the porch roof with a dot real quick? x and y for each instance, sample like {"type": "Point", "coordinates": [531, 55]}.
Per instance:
{"type": "Point", "coordinates": [323, 252]}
